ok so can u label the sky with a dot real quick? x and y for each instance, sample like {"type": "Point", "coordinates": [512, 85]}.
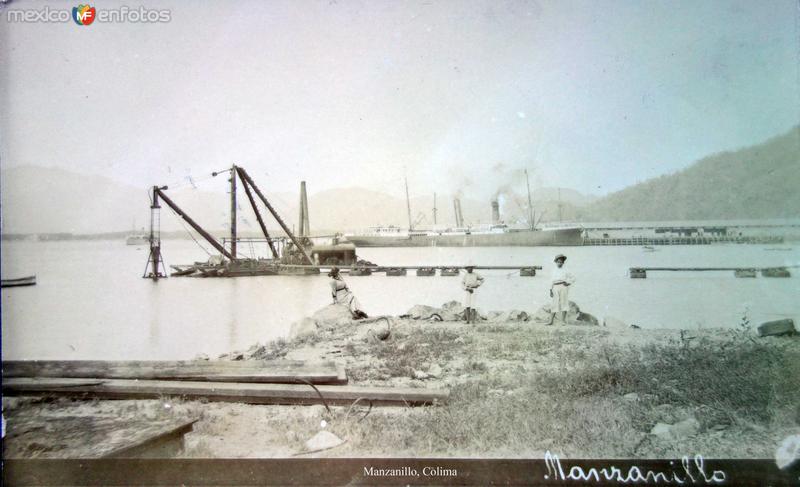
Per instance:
{"type": "Point", "coordinates": [460, 96]}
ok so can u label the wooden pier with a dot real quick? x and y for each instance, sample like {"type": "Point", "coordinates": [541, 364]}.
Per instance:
{"type": "Point", "coordinates": [705, 240]}
{"type": "Point", "coordinates": [275, 269]}
{"type": "Point", "coordinates": [742, 272]}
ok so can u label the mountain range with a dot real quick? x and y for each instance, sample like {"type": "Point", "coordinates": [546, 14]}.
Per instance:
{"type": "Point", "coordinates": [761, 181]}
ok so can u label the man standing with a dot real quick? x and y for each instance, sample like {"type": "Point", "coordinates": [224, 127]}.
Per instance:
{"type": "Point", "coordinates": [559, 290]}
{"type": "Point", "coordinates": [470, 283]}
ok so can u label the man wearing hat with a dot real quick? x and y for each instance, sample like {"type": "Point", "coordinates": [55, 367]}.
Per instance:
{"type": "Point", "coordinates": [470, 283]}
{"type": "Point", "coordinates": [559, 290]}
{"type": "Point", "coordinates": [341, 294]}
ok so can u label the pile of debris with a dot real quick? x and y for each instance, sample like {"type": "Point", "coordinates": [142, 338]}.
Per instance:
{"type": "Point", "coordinates": [454, 311]}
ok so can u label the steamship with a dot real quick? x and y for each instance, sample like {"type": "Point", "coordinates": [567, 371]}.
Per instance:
{"type": "Point", "coordinates": [497, 234]}
{"type": "Point", "coordinates": [492, 236]}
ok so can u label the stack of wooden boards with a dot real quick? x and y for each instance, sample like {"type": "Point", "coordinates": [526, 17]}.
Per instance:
{"type": "Point", "coordinates": [251, 382]}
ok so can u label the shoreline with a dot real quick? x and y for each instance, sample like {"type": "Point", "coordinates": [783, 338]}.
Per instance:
{"type": "Point", "coordinates": [517, 390]}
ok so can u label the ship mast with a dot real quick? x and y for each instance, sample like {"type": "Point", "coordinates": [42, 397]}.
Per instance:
{"type": "Point", "coordinates": [434, 209]}
{"type": "Point", "coordinates": [559, 205]}
{"type": "Point", "coordinates": [408, 207]}
{"type": "Point", "coordinates": [530, 204]}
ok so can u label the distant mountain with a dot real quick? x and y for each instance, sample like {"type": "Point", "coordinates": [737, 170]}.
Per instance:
{"type": "Point", "coordinates": [39, 199]}
{"type": "Point", "coordinates": [762, 181]}
{"type": "Point", "coordinates": [52, 200]}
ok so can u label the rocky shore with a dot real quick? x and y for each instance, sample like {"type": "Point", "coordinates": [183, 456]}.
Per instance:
{"type": "Point", "coordinates": [588, 388]}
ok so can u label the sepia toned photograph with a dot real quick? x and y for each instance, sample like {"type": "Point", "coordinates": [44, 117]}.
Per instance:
{"type": "Point", "coordinates": [411, 242]}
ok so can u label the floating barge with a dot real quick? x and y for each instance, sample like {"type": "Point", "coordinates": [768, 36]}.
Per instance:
{"type": "Point", "coordinates": [293, 255]}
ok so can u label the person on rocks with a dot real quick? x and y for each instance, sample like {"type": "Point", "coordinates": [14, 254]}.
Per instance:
{"type": "Point", "coordinates": [559, 290]}
{"type": "Point", "coordinates": [470, 282]}
{"type": "Point", "coordinates": [341, 294]}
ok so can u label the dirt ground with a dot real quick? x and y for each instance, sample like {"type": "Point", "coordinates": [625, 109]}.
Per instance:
{"type": "Point", "coordinates": [517, 389]}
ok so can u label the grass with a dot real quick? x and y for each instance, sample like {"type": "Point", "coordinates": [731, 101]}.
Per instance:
{"type": "Point", "coordinates": [517, 391]}
{"type": "Point", "coordinates": [577, 407]}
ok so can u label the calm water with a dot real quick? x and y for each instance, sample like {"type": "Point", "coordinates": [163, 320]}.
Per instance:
{"type": "Point", "coordinates": [91, 303]}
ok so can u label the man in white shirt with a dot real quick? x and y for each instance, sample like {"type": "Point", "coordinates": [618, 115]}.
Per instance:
{"type": "Point", "coordinates": [470, 283]}
{"type": "Point", "coordinates": [559, 290]}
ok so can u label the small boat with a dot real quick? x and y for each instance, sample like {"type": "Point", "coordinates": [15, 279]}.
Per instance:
{"type": "Point", "coordinates": [649, 248]}
{"type": "Point", "coordinates": [22, 281]}
{"type": "Point", "coordinates": [137, 239]}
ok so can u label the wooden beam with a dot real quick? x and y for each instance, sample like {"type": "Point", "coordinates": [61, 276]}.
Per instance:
{"type": "Point", "coordinates": [96, 435]}
{"type": "Point", "coordinates": [224, 391]}
{"type": "Point", "coordinates": [254, 371]}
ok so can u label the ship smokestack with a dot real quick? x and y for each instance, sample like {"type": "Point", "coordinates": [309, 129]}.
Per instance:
{"type": "Point", "coordinates": [495, 212]}
{"type": "Point", "coordinates": [457, 210]}
{"type": "Point", "coordinates": [304, 227]}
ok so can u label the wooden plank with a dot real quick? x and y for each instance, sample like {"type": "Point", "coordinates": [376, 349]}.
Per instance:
{"type": "Point", "coordinates": [94, 436]}
{"type": "Point", "coordinates": [225, 391]}
{"type": "Point", "coordinates": [259, 371]}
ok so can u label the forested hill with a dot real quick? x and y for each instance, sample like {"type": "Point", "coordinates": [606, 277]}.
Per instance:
{"type": "Point", "coordinates": [762, 181]}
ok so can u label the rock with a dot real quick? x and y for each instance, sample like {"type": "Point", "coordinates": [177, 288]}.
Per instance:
{"type": "Point", "coordinates": [677, 431]}
{"type": "Point", "coordinates": [332, 316]}
{"type": "Point", "coordinates": [788, 452]}
{"type": "Point", "coordinates": [661, 430]}
{"type": "Point", "coordinates": [423, 312]}
{"type": "Point", "coordinates": [453, 307]}
{"type": "Point", "coordinates": [506, 316]}
{"type": "Point", "coordinates": [418, 374]}
{"type": "Point", "coordinates": [322, 441]}
{"type": "Point", "coordinates": [611, 322]}
{"type": "Point", "coordinates": [435, 371]}
{"type": "Point", "coordinates": [584, 319]}
{"type": "Point", "coordinates": [202, 356]}
{"type": "Point", "coordinates": [258, 353]}
{"type": "Point", "coordinates": [306, 326]}
{"type": "Point", "coordinates": [777, 328]}
{"type": "Point", "coordinates": [631, 397]}
{"type": "Point", "coordinates": [543, 314]}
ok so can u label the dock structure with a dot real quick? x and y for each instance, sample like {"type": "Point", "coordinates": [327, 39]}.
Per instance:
{"type": "Point", "coordinates": [742, 272]}
{"type": "Point", "coordinates": [270, 268]}
{"type": "Point", "coordinates": [699, 240]}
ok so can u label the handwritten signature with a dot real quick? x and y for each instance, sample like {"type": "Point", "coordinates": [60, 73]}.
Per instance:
{"type": "Point", "coordinates": [690, 470]}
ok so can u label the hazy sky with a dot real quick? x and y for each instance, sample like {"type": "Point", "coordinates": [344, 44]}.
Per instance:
{"type": "Point", "coordinates": [589, 95]}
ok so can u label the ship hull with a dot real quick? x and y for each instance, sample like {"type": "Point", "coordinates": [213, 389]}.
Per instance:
{"type": "Point", "coordinates": [520, 238]}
